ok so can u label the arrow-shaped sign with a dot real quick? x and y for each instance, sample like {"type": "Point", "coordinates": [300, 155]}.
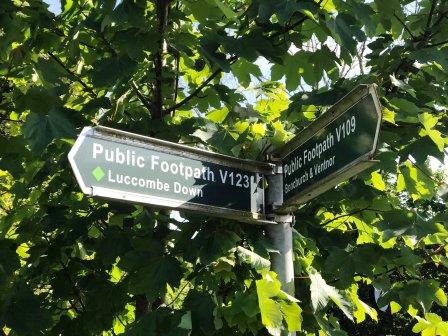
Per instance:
{"type": "Point", "coordinates": [133, 168]}
{"type": "Point", "coordinates": [337, 146]}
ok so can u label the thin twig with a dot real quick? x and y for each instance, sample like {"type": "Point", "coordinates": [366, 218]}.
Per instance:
{"type": "Point", "coordinates": [405, 27]}
{"type": "Point", "coordinates": [78, 78]}
{"type": "Point", "coordinates": [199, 88]}
{"type": "Point", "coordinates": [75, 289]}
{"type": "Point", "coordinates": [350, 215]}
{"type": "Point", "coordinates": [142, 98]}
{"type": "Point", "coordinates": [431, 13]}
{"type": "Point", "coordinates": [439, 20]}
{"type": "Point", "coordinates": [435, 44]}
{"type": "Point", "coordinates": [178, 294]}
{"type": "Point", "coordinates": [119, 319]}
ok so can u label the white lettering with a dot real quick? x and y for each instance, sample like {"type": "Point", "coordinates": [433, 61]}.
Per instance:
{"type": "Point", "coordinates": [97, 149]}
{"type": "Point", "coordinates": [154, 161]}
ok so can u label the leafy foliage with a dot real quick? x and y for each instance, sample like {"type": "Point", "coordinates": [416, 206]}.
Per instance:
{"type": "Point", "coordinates": [240, 78]}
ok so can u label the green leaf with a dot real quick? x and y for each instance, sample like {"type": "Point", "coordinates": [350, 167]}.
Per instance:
{"type": "Point", "coordinates": [39, 130]}
{"type": "Point", "coordinates": [38, 100]}
{"type": "Point", "coordinates": [257, 262]}
{"type": "Point", "coordinates": [292, 314]}
{"type": "Point", "coordinates": [417, 181]}
{"type": "Point", "coordinates": [429, 121]}
{"type": "Point", "coordinates": [205, 10]}
{"type": "Point", "coordinates": [291, 67]}
{"type": "Point", "coordinates": [152, 279]}
{"type": "Point", "coordinates": [321, 294]}
{"type": "Point", "coordinates": [275, 305]}
{"type": "Point", "coordinates": [162, 321]}
{"type": "Point", "coordinates": [271, 314]}
{"type": "Point", "coordinates": [209, 47]}
{"type": "Point", "coordinates": [420, 294]}
{"type": "Point", "coordinates": [202, 307]}
{"type": "Point", "coordinates": [107, 72]}
{"type": "Point", "coordinates": [431, 325]}
{"type": "Point", "coordinates": [24, 312]}
{"type": "Point", "coordinates": [9, 260]}
{"type": "Point", "coordinates": [398, 223]}
{"type": "Point", "coordinates": [244, 70]}
{"type": "Point", "coordinates": [406, 110]}
{"type": "Point", "coordinates": [346, 31]}
{"type": "Point", "coordinates": [430, 55]}
{"type": "Point", "coordinates": [126, 40]}
{"type": "Point", "coordinates": [114, 244]}
{"type": "Point", "coordinates": [218, 116]}
{"type": "Point", "coordinates": [226, 10]}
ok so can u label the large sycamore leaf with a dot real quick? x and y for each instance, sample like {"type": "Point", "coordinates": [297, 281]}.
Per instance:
{"type": "Point", "coordinates": [152, 279]}
{"type": "Point", "coordinates": [420, 294]}
{"type": "Point", "coordinates": [39, 130]}
{"type": "Point", "coordinates": [25, 313]}
{"type": "Point", "coordinates": [257, 262]}
{"type": "Point", "coordinates": [429, 122]}
{"type": "Point", "coordinates": [275, 305]}
{"type": "Point", "coordinates": [346, 31]}
{"type": "Point", "coordinates": [431, 325]}
{"type": "Point", "coordinates": [162, 321]}
{"type": "Point", "coordinates": [361, 307]}
{"type": "Point", "coordinates": [410, 224]}
{"type": "Point", "coordinates": [322, 293]}
{"type": "Point", "coordinates": [417, 181]}
{"type": "Point", "coordinates": [243, 70]}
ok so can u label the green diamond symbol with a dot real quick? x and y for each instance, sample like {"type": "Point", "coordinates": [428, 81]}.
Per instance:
{"type": "Point", "coordinates": [98, 173]}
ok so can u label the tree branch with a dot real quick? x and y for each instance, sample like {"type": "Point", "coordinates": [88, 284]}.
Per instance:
{"type": "Point", "coordinates": [162, 18]}
{"type": "Point", "coordinates": [404, 26]}
{"type": "Point", "coordinates": [431, 13]}
{"type": "Point", "coordinates": [435, 44]}
{"type": "Point", "coordinates": [232, 59]}
{"type": "Point", "coordinates": [78, 78]}
{"type": "Point", "coordinates": [75, 289]}
{"type": "Point", "coordinates": [349, 215]}
{"type": "Point", "coordinates": [442, 16]}
{"type": "Point", "coordinates": [195, 92]}
{"type": "Point", "coordinates": [178, 294]}
{"type": "Point", "coordinates": [142, 98]}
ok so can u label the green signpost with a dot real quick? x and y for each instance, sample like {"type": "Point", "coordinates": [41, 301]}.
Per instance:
{"type": "Point", "coordinates": [128, 167]}
{"type": "Point", "coordinates": [335, 147]}
{"type": "Point", "coordinates": [133, 168]}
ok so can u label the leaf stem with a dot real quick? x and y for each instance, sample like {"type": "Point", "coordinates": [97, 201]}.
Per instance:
{"type": "Point", "coordinates": [178, 294]}
{"type": "Point", "coordinates": [350, 214]}
{"type": "Point", "coordinates": [78, 78]}
{"type": "Point", "coordinates": [405, 26]}
{"type": "Point", "coordinates": [75, 289]}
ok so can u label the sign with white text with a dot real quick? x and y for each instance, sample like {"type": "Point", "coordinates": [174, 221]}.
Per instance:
{"type": "Point", "coordinates": [342, 137]}
{"type": "Point", "coordinates": [133, 168]}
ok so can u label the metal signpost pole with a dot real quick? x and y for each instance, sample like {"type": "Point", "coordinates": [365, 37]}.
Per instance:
{"type": "Point", "coordinates": [280, 235]}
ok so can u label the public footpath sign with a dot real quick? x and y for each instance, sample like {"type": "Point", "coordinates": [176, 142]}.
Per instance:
{"type": "Point", "coordinates": [133, 168]}
{"type": "Point", "coordinates": [338, 145]}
